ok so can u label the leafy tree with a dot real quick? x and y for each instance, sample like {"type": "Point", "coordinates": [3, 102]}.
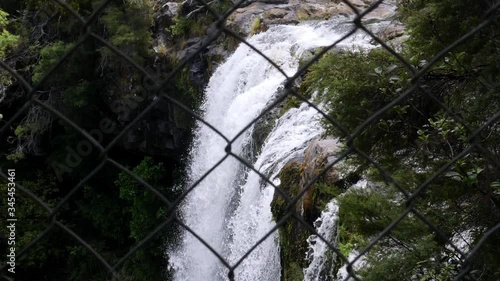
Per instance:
{"type": "Point", "coordinates": [7, 40]}
{"type": "Point", "coordinates": [81, 89]}
{"type": "Point", "coordinates": [32, 220]}
{"type": "Point", "coordinates": [416, 137]}
{"type": "Point", "coordinates": [147, 212]}
{"type": "Point", "coordinates": [129, 26]}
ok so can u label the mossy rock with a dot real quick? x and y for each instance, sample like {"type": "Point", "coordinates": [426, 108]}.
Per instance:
{"type": "Point", "coordinates": [293, 273]}
{"type": "Point", "coordinates": [293, 234]}
{"type": "Point", "coordinates": [290, 102]}
{"type": "Point", "coordinates": [263, 126]}
{"type": "Point", "coordinates": [294, 177]}
{"type": "Point", "coordinates": [290, 177]}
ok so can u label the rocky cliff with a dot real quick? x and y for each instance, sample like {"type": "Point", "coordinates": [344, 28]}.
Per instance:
{"type": "Point", "coordinates": [185, 31]}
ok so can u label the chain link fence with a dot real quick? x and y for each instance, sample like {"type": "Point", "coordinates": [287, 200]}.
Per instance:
{"type": "Point", "coordinates": [417, 88]}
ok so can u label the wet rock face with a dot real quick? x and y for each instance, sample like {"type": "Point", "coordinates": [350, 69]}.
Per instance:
{"type": "Point", "coordinates": [298, 174]}
{"type": "Point", "coordinates": [319, 155]}
{"type": "Point", "coordinates": [264, 125]}
{"type": "Point", "coordinates": [158, 133]}
{"type": "Point", "coordinates": [294, 11]}
{"type": "Point", "coordinates": [248, 2]}
{"type": "Point", "coordinates": [295, 177]}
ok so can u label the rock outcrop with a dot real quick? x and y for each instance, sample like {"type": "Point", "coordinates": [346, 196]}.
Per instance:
{"type": "Point", "coordinates": [295, 11]}
{"type": "Point", "coordinates": [306, 176]}
{"type": "Point", "coordinates": [252, 16]}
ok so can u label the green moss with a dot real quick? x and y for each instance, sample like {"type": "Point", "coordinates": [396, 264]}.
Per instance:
{"type": "Point", "coordinates": [255, 27]}
{"type": "Point", "coordinates": [293, 272]}
{"type": "Point", "coordinates": [303, 14]}
{"type": "Point", "coordinates": [293, 235]}
{"type": "Point", "coordinates": [293, 244]}
{"type": "Point", "coordinates": [230, 43]}
{"type": "Point", "coordinates": [290, 179]}
{"type": "Point", "coordinates": [290, 102]}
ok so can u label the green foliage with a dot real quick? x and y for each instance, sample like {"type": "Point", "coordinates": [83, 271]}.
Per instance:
{"type": "Point", "coordinates": [417, 262]}
{"type": "Point", "coordinates": [78, 96]}
{"type": "Point", "coordinates": [293, 273]}
{"type": "Point", "coordinates": [16, 156]}
{"type": "Point", "coordinates": [437, 24]}
{"type": "Point", "coordinates": [410, 248]}
{"type": "Point", "coordinates": [357, 84]}
{"type": "Point", "coordinates": [129, 26]}
{"type": "Point", "coordinates": [33, 39]}
{"type": "Point", "coordinates": [324, 192]}
{"type": "Point", "coordinates": [50, 55]}
{"type": "Point", "coordinates": [290, 102]}
{"type": "Point", "coordinates": [365, 212]}
{"type": "Point", "coordinates": [180, 27]}
{"type": "Point", "coordinates": [107, 214]}
{"type": "Point", "coordinates": [415, 138]}
{"type": "Point", "coordinates": [32, 219]}
{"type": "Point", "coordinates": [25, 129]}
{"type": "Point", "coordinates": [183, 27]}
{"type": "Point", "coordinates": [7, 40]}
{"type": "Point", "coordinates": [73, 80]}
{"type": "Point", "coordinates": [147, 212]}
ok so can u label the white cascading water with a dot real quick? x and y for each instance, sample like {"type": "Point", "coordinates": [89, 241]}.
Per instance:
{"type": "Point", "coordinates": [230, 208]}
{"type": "Point", "coordinates": [253, 219]}
{"type": "Point", "coordinates": [319, 260]}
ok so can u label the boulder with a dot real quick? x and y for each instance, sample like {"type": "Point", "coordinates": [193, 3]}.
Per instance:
{"type": "Point", "coordinates": [294, 178]}
{"type": "Point", "coordinates": [318, 155]}
{"type": "Point", "coordinates": [294, 11]}
{"type": "Point", "coordinates": [171, 9]}
{"type": "Point", "coordinates": [391, 32]}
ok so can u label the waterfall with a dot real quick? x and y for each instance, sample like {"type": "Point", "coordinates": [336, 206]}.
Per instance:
{"type": "Point", "coordinates": [230, 208]}
{"type": "Point", "coordinates": [318, 255]}
{"type": "Point", "coordinates": [252, 219]}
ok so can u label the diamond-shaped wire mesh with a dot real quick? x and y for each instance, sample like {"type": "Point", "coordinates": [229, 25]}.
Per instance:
{"type": "Point", "coordinates": [409, 197]}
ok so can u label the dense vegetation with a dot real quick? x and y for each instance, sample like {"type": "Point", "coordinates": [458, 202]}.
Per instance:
{"type": "Point", "coordinates": [415, 138]}
{"type": "Point", "coordinates": [102, 93]}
